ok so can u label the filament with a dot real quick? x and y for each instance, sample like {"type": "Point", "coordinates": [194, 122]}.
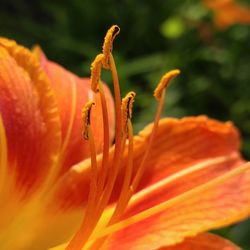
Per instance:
{"type": "Point", "coordinates": [83, 233]}
{"type": "Point", "coordinates": [105, 158]}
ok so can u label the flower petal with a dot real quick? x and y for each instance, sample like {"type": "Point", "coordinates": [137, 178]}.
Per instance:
{"type": "Point", "coordinates": [212, 205]}
{"type": "Point", "coordinates": [178, 145]}
{"type": "Point", "coordinates": [30, 116]}
{"type": "Point", "coordinates": [228, 12]}
{"type": "Point", "coordinates": [72, 92]}
{"type": "Point", "coordinates": [53, 225]}
{"type": "Point", "coordinates": [204, 241]}
{"type": "Point", "coordinates": [181, 143]}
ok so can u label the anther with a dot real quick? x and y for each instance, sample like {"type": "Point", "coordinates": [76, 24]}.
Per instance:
{"type": "Point", "coordinates": [127, 105]}
{"type": "Point", "coordinates": [108, 45]}
{"type": "Point", "coordinates": [164, 82]}
{"type": "Point", "coordinates": [96, 68]}
{"type": "Point", "coordinates": [86, 118]}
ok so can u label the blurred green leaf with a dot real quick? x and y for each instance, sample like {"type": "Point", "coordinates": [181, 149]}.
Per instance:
{"type": "Point", "coordinates": [173, 27]}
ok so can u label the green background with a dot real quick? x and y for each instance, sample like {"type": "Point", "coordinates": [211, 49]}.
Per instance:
{"type": "Point", "coordinates": [156, 36]}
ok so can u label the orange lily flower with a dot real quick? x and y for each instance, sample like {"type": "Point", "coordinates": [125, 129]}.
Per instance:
{"type": "Point", "coordinates": [162, 189]}
{"type": "Point", "coordinates": [228, 12]}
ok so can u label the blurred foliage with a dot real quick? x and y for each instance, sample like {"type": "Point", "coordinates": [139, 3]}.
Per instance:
{"type": "Point", "coordinates": [156, 36]}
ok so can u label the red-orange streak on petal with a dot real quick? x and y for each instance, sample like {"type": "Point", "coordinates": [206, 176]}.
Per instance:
{"type": "Point", "coordinates": [179, 144]}
{"type": "Point", "coordinates": [30, 115]}
{"type": "Point", "coordinates": [204, 241]}
{"type": "Point", "coordinates": [72, 93]}
{"type": "Point", "coordinates": [209, 208]}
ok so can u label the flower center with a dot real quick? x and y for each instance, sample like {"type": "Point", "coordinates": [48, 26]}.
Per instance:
{"type": "Point", "coordinates": [103, 178]}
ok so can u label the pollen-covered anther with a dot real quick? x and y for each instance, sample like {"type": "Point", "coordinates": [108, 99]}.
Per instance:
{"type": "Point", "coordinates": [164, 82]}
{"type": "Point", "coordinates": [96, 68]}
{"type": "Point", "coordinates": [108, 45]}
{"type": "Point", "coordinates": [127, 106]}
{"type": "Point", "coordinates": [86, 118]}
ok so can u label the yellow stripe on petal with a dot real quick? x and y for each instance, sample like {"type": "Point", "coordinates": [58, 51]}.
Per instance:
{"type": "Point", "coordinates": [61, 247]}
{"type": "Point", "coordinates": [3, 156]}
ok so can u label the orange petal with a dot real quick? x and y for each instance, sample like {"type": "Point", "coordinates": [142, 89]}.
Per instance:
{"type": "Point", "coordinates": [178, 145]}
{"type": "Point", "coordinates": [204, 241]}
{"type": "Point", "coordinates": [72, 92]}
{"type": "Point", "coordinates": [30, 116]}
{"type": "Point", "coordinates": [217, 203]}
{"type": "Point", "coordinates": [181, 143]}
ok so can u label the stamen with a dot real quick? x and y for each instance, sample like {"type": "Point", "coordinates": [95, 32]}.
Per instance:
{"type": "Point", "coordinates": [111, 180]}
{"type": "Point", "coordinates": [94, 173]}
{"type": "Point", "coordinates": [108, 45]}
{"type": "Point", "coordinates": [88, 135]}
{"type": "Point", "coordinates": [127, 105]}
{"type": "Point", "coordinates": [119, 141]}
{"type": "Point", "coordinates": [160, 92]}
{"type": "Point", "coordinates": [96, 68]}
{"type": "Point", "coordinates": [122, 201]}
{"type": "Point", "coordinates": [117, 97]}
{"type": "Point", "coordinates": [86, 118]}
{"type": "Point", "coordinates": [88, 228]}
{"type": "Point", "coordinates": [85, 230]}
{"type": "Point", "coordinates": [103, 198]}
{"type": "Point", "coordinates": [164, 83]}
